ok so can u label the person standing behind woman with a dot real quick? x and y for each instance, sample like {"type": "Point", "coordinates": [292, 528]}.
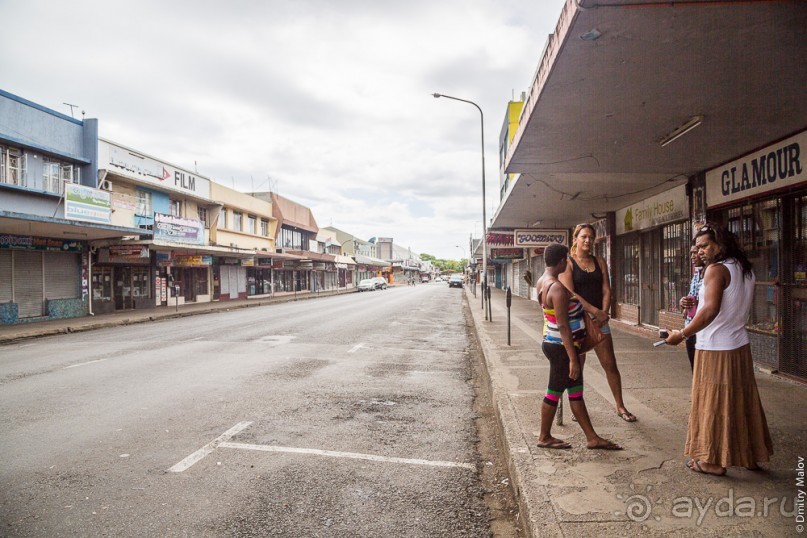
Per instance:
{"type": "Point", "coordinates": [727, 425]}
{"type": "Point", "coordinates": [689, 303]}
{"type": "Point", "coordinates": [564, 330]}
{"type": "Point", "coordinates": [587, 277]}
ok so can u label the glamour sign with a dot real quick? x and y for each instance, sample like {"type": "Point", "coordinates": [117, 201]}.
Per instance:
{"type": "Point", "coordinates": [540, 238]}
{"type": "Point", "coordinates": [776, 167]}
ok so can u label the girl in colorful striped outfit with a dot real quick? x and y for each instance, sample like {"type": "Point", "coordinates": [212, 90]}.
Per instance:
{"type": "Point", "coordinates": [564, 330]}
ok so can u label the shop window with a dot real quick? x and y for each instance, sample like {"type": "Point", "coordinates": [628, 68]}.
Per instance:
{"type": "Point", "coordinates": [102, 283]}
{"type": "Point", "coordinates": [54, 175]}
{"type": "Point", "coordinates": [238, 221]}
{"type": "Point", "coordinates": [264, 227]}
{"type": "Point", "coordinates": [251, 223]}
{"type": "Point", "coordinates": [628, 283]}
{"type": "Point", "coordinates": [757, 227]}
{"type": "Point", "coordinates": [676, 271]}
{"type": "Point", "coordinates": [143, 208]}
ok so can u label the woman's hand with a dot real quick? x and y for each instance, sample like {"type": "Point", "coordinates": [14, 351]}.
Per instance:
{"type": "Point", "coordinates": [675, 338]}
{"type": "Point", "coordinates": [686, 302]}
{"type": "Point", "coordinates": [601, 317]}
{"type": "Point", "coordinates": [574, 368]}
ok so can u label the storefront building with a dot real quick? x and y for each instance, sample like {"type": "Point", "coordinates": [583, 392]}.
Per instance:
{"type": "Point", "coordinates": [762, 198]}
{"type": "Point", "coordinates": [50, 210]}
{"type": "Point", "coordinates": [650, 270]}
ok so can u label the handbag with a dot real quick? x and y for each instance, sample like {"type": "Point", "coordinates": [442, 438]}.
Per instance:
{"type": "Point", "coordinates": [594, 335]}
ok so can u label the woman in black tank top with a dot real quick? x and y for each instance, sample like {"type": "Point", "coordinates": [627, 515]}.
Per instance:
{"type": "Point", "coordinates": [587, 277]}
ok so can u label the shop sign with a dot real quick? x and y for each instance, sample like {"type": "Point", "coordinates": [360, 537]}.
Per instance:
{"type": "Point", "coordinates": [123, 201]}
{"type": "Point", "coordinates": [128, 252]}
{"type": "Point", "coordinates": [178, 230]}
{"type": "Point", "coordinates": [669, 206]}
{"type": "Point", "coordinates": [506, 253]}
{"type": "Point", "coordinates": [87, 204]}
{"type": "Point", "coordinates": [248, 262]}
{"type": "Point", "coordinates": [264, 262]}
{"type": "Point", "coordinates": [163, 259]}
{"type": "Point", "coordinates": [128, 163]}
{"type": "Point", "coordinates": [183, 260]}
{"type": "Point", "coordinates": [540, 238]}
{"type": "Point", "coordinates": [776, 167]}
{"type": "Point", "coordinates": [600, 228]}
{"type": "Point", "coordinates": [504, 239]}
{"type": "Point", "coordinates": [27, 242]}
{"type": "Point", "coordinates": [319, 266]}
{"type": "Point", "coordinates": [229, 261]}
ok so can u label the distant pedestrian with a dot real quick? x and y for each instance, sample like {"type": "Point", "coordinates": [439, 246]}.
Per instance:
{"type": "Point", "coordinates": [689, 304]}
{"type": "Point", "coordinates": [564, 330]}
{"type": "Point", "coordinates": [727, 425]}
{"type": "Point", "coordinates": [587, 277]}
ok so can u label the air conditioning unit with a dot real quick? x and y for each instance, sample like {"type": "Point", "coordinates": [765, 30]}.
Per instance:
{"type": "Point", "coordinates": [105, 185]}
{"type": "Point", "coordinates": [280, 251]}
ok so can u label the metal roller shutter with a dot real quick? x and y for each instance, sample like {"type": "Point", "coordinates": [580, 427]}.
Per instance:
{"type": "Point", "coordinates": [5, 276]}
{"type": "Point", "coordinates": [523, 287]}
{"type": "Point", "coordinates": [62, 275]}
{"type": "Point", "coordinates": [28, 283]}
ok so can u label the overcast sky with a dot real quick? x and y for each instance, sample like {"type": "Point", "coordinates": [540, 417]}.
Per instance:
{"type": "Point", "coordinates": [327, 102]}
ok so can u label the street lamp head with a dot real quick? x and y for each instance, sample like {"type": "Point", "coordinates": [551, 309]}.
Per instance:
{"type": "Point", "coordinates": [437, 95]}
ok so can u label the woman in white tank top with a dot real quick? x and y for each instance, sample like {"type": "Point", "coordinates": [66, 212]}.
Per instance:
{"type": "Point", "coordinates": [727, 425]}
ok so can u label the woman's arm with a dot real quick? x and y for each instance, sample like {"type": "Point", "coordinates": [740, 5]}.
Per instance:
{"type": "Point", "coordinates": [567, 280]}
{"type": "Point", "coordinates": [560, 303]}
{"type": "Point", "coordinates": [606, 287]}
{"type": "Point", "coordinates": [715, 280]}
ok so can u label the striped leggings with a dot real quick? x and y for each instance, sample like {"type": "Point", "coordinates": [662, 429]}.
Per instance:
{"type": "Point", "coordinates": [559, 375]}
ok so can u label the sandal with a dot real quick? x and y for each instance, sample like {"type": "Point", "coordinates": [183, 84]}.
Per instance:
{"type": "Point", "coordinates": [696, 467]}
{"type": "Point", "coordinates": [558, 444]}
{"type": "Point", "coordinates": [608, 445]}
{"type": "Point", "coordinates": [627, 416]}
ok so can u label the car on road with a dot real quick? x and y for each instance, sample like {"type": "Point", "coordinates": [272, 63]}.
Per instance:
{"type": "Point", "coordinates": [380, 283]}
{"type": "Point", "coordinates": [455, 281]}
{"type": "Point", "coordinates": [368, 284]}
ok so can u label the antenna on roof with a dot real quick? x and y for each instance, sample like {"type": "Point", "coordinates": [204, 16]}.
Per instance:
{"type": "Point", "coordinates": [71, 109]}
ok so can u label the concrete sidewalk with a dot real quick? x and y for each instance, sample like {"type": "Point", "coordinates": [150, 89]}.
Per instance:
{"type": "Point", "coordinates": [645, 489]}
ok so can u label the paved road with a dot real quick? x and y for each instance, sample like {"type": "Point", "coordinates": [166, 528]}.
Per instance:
{"type": "Point", "coordinates": [349, 415]}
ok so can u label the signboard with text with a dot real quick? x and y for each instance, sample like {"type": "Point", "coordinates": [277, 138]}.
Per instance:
{"type": "Point", "coordinates": [776, 167]}
{"type": "Point", "coordinates": [178, 229]}
{"type": "Point", "coordinates": [540, 238]}
{"type": "Point", "coordinates": [87, 204]}
{"type": "Point", "coordinates": [131, 164]}
{"type": "Point", "coordinates": [669, 206]}
{"type": "Point", "coordinates": [27, 242]}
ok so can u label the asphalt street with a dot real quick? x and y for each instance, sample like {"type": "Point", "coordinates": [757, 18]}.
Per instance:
{"type": "Point", "coordinates": [349, 415]}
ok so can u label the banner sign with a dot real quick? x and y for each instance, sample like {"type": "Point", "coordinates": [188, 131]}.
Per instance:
{"type": "Point", "coordinates": [129, 163]}
{"type": "Point", "coordinates": [128, 252]}
{"type": "Point", "coordinates": [178, 229]}
{"type": "Point", "coordinates": [183, 260]}
{"type": "Point", "coordinates": [506, 253]}
{"type": "Point", "coordinates": [163, 259]}
{"type": "Point", "coordinates": [540, 238]}
{"type": "Point", "coordinates": [27, 242]}
{"type": "Point", "coordinates": [264, 262]}
{"type": "Point", "coordinates": [87, 204]}
{"type": "Point", "coordinates": [775, 167]}
{"type": "Point", "coordinates": [669, 206]}
{"type": "Point", "coordinates": [504, 239]}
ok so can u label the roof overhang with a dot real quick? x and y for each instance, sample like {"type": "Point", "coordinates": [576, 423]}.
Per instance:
{"type": "Point", "coordinates": [591, 135]}
{"type": "Point", "coordinates": [39, 226]}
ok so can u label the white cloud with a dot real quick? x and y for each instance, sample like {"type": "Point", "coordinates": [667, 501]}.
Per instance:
{"type": "Point", "coordinates": [331, 99]}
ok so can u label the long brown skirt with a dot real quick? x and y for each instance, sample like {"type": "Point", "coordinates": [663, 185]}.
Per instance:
{"type": "Point", "coordinates": [727, 424]}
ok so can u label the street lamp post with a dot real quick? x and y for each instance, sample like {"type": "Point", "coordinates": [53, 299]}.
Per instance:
{"type": "Point", "coordinates": [463, 255]}
{"type": "Point", "coordinates": [484, 215]}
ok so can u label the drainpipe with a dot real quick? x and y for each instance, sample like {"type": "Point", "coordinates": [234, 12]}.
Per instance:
{"type": "Point", "coordinates": [89, 283]}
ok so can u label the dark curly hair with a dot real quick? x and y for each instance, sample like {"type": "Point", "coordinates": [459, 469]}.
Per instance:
{"type": "Point", "coordinates": [554, 253]}
{"type": "Point", "coordinates": [728, 244]}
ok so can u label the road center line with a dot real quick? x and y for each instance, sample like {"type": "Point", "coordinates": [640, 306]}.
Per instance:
{"type": "Point", "coordinates": [356, 348]}
{"type": "Point", "coordinates": [208, 448]}
{"type": "Point", "coordinates": [83, 364]}
{"type": "Point", "coordinates": [351, 455]}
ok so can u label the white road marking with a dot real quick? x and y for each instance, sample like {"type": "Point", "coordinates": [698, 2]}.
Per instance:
{"type": "Point", "coordinates": [83, 363]}
{"type": "Point", "coordinates": [208, 448]}
{"type": "Point", "coordinates": [351, 455]}
{"type": "Point", "coordinates": [356, 348]}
